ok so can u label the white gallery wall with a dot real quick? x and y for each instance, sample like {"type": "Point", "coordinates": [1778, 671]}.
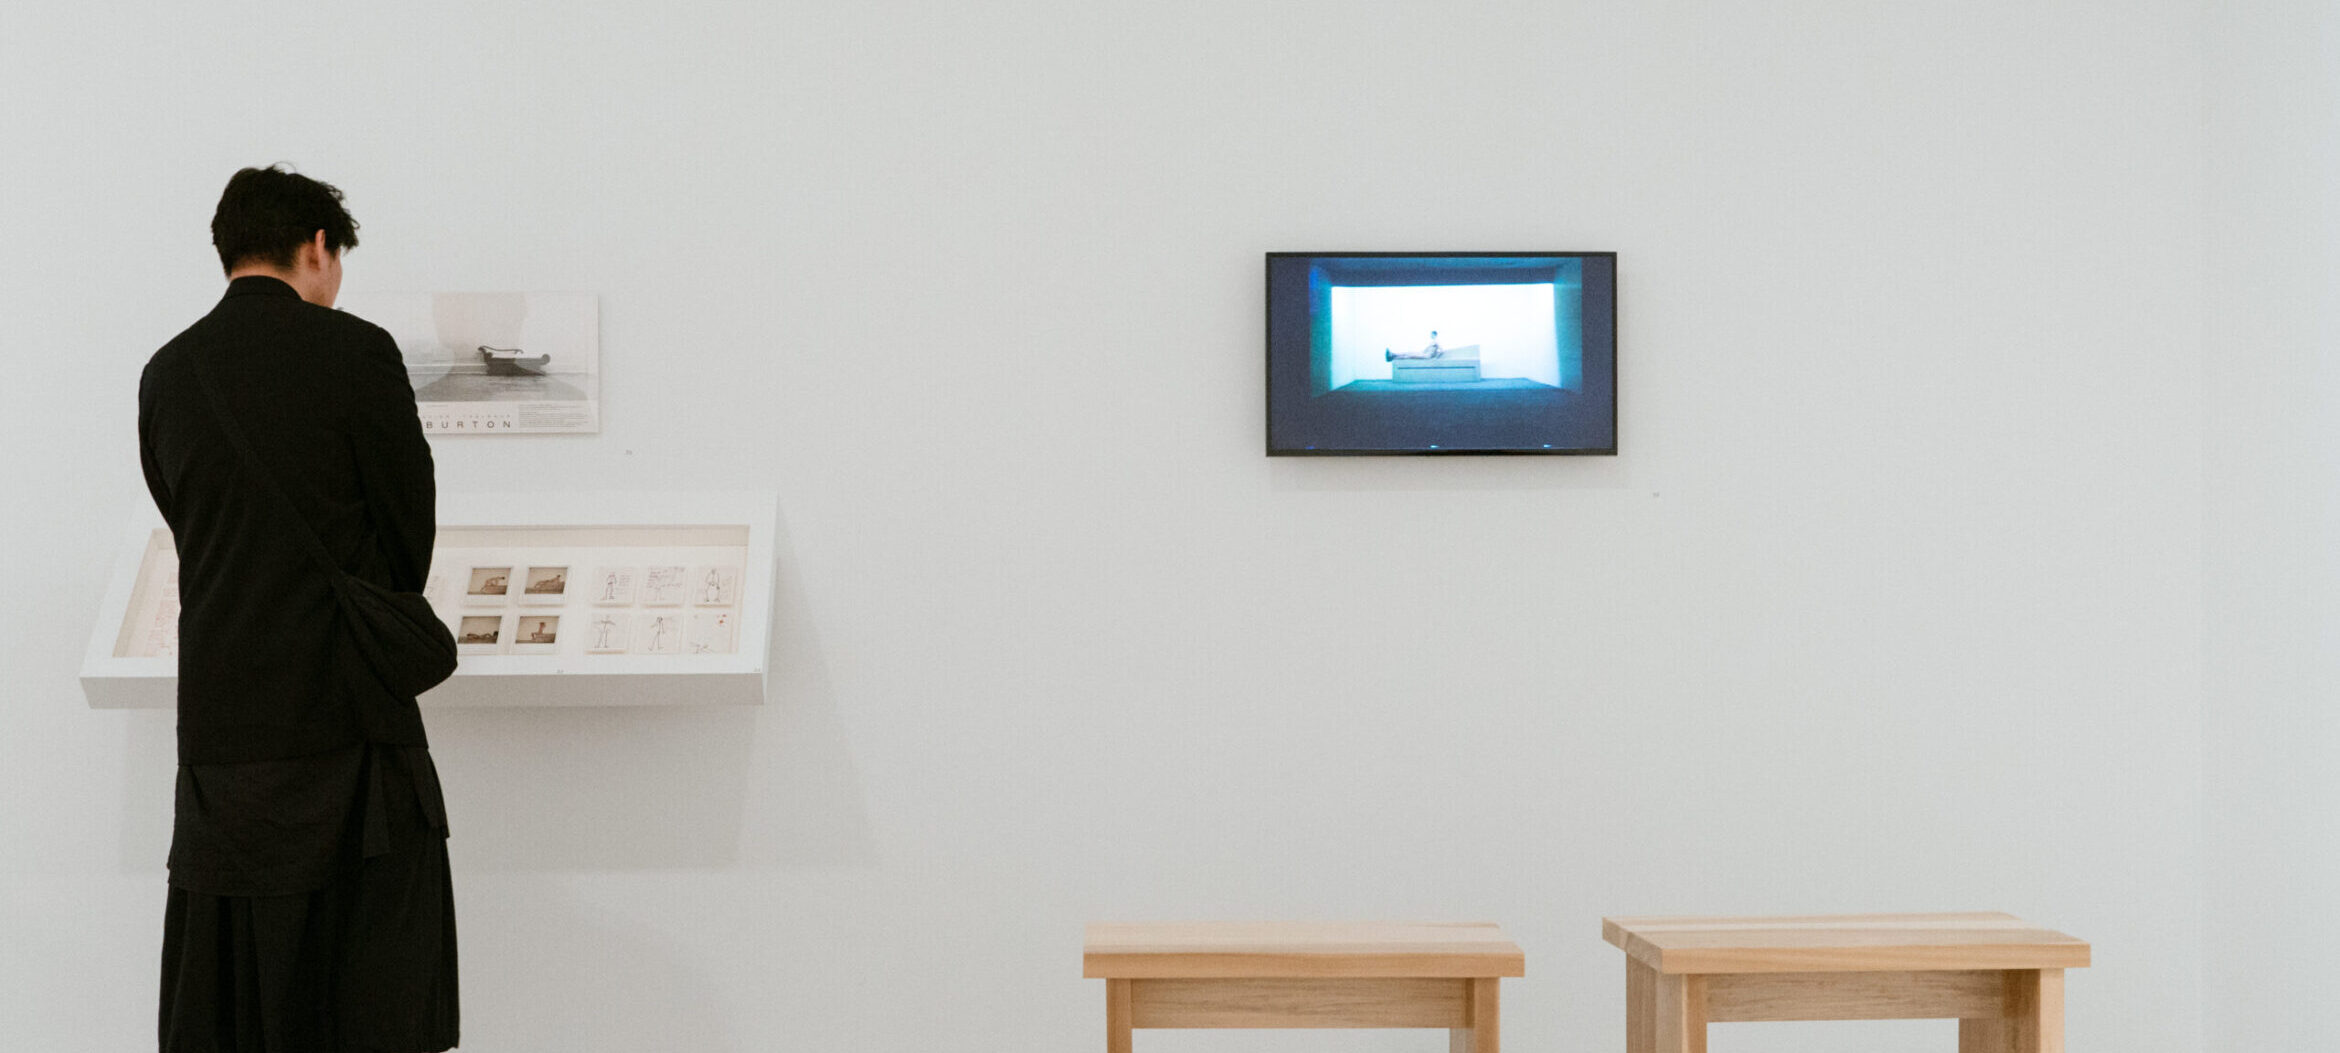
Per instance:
{"type": "Point", "coordinates": [2271, 443]}
{"type": "Point", "coordinates": [1893, 600]}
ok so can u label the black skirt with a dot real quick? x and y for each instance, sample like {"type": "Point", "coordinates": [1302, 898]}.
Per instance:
{"type": "Point", "coordinates": [362, 963]}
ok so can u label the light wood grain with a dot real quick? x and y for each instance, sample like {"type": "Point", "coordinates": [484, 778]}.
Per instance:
{"type": "Point", "coordinates": [1640, 1007]}
{"type": "Point", "coordinates": [1197, 950]}
{"type": "Point", "coordinates": [1847, 943]}
{"type": "Point", "coordinates": [1682, 973]}
{"type": "Point", "coordinates": [1663, 1013]}
{"type": "Point", "coordinates": [2032, 1020]}
{"type": "Point", "coordinates": [1300, 1002]}
{"type": "Point", "coordinates": [1117, 1016]}
{"type": "Point", "coordinates": [1485, 1031]}
{"type": "Point", "coordinates": [1853, 996]}
{"type": "Point", "coordinates": [2044, 1014]}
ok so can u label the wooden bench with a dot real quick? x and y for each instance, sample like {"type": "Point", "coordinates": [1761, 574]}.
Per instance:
{"type": "Point", "coordinates": [1999, 976]}
{"type": "Point", "coordinates": [1302, 974]}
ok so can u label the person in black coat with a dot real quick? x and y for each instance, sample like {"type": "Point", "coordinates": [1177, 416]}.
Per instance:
{"type": "Point", "coordinates": [310, 903]}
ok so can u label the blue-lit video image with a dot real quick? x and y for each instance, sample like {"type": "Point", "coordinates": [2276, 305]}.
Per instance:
{"type": "Point", "coordinates": [1441, 353]}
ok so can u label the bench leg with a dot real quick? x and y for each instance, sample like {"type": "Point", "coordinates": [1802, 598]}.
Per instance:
{"type": "Point", "coordinates": [1117, 1016]}
{"type": "Point", "coordinates": [2031, 1017]}
{"type": "Point", "coordinates": [1485, 1035]}
{"type": "Point", "coordinates": [1664, 1014]}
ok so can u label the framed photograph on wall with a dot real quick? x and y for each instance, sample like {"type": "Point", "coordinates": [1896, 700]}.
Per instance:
{"type": "Point", "coordinates": [495, 363]}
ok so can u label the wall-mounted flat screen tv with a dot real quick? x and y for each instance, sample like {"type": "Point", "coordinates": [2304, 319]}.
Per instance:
{"type": "Point", "coordinates": [1441, 352]}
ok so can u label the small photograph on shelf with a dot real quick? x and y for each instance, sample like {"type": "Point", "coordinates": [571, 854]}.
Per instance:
{"type": "Point", "coordinates": [714, 632]}
{"type": "Point", "coordinates": [605, 632]}
{"type": "Point", "coordinates": [612, 586]}
{"type": "Point", "coordinates": [665, 586]}
{"type": "Point", "coordinates": [480, 634]}
{"type": "Point", "coordinates": [658, 632]}
{"type": "Point", "coordinates": [546, 586]}
{"type": "Point", "coordinates": [714, 586]}
{"type": "Point", "coordinates": [536, 633]}
{"type": "Point", "coordinates": [489, 587]}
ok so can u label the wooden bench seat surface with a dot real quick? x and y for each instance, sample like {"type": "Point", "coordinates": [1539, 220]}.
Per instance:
{"type": "Point", "coordinates": [1135, 950]}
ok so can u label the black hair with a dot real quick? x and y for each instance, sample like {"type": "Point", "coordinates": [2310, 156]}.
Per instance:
{"type": "Point", "coordinates": [266, 214]}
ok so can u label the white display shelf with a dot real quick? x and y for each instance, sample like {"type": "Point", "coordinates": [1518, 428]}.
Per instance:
{"type": "Point", "coordinates": [580, 530]}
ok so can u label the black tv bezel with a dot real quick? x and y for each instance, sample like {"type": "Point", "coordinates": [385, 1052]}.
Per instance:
{"type": "Point", "coordinates": [1267, 344]}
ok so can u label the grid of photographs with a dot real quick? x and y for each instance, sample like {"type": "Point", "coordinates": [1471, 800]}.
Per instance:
{"type": "Point", "coordinates": [514, 607]}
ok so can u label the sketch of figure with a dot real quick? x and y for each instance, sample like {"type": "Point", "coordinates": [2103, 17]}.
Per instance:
{"type": "Point", "coordinates": [662, 634]}
{"type": "Point", "coordinates": [718, 586]}
{"type": "Point", "coordinates": [603, 628]}
{"type": "Point", "coordinates": [663, 587]}
{"type": "Point", "coordinates": [617, 586]}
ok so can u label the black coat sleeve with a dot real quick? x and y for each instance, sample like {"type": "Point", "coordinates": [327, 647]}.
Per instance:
{"type": "Point", "coordinates": [394, 461]}
{"type": "Point", "coordinates": [155, 485]}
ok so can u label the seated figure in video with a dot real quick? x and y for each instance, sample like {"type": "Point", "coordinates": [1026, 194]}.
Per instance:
{"type": "Point", "coordinates": [1432, 351]}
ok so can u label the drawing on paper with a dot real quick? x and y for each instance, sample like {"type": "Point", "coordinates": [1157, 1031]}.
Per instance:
{"type": "Point", "coordinates": [613, 586]}
{"type": "Point", "coordinates": [714, 632]}
{"type": "Point", "coordinates": [605, 634]}
{"type": "Point", "coordinates": [660, 634]}
{"type": "Point", "coordinates": [664, 586]}
{"type": "Point", "coordinates": [714, 586]}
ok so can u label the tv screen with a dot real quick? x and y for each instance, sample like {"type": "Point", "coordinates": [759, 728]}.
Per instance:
{"type": "Point", "coordinates": [1441, 352]}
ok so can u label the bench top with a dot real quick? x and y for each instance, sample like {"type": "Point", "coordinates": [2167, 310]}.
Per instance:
{"type": "Point", "coordinates": [1843, 943]}
{"type": "Point", "coordinates": [1135, 950]}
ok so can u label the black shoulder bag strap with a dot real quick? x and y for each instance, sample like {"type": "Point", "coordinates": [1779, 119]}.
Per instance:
{"type": "Point", "coordinates": [399, 634]}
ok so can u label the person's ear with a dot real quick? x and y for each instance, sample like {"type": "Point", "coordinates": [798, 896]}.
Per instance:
{"type": "Point", "coordinates": [315, 254]}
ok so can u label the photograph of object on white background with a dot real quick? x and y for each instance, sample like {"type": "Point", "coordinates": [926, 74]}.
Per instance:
{"type": "Point", "coordinates": [605, 633]}
{"type": "Point", "coordinates": [480, 634]}
{"type": "Point", "coordinates": [664, 586]}
{"type": "Point", "coordinates": [612, 586]}
{"type": "Point", "coordinates": [536, 633]}
{"type": "Point", "coordinates": [659, 632]}
{"type": "Point", "coordinates": [714, 632]}
{"type": "Point", "coordinates": [714, 586]}
{"type": "Point", "coordinates": [546, 586]}
{"type": "Point", "coordinates": [495, 363]}
{"type": "Point", "coordinates": [490, 586]}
